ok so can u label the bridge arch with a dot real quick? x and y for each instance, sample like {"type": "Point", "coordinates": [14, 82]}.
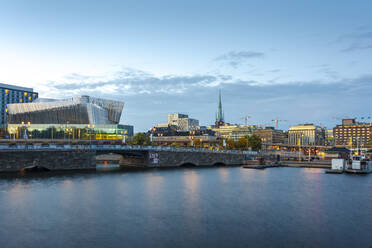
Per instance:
{"type": "Point", "coordinates": [219, 164]}
{"type": "Point", "coordinates": [188, 165]}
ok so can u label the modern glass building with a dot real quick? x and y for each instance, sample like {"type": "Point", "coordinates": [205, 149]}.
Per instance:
{"type": "Point", "coordinates": [13, 94]}
{"type": "Point", "coordinates": [81, 117]}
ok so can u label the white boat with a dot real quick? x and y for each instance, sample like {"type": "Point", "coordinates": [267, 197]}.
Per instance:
{"type": "Point", "coordinates": [359, 164]}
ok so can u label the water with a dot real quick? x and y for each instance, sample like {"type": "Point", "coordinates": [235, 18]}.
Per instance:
{"type": "Point", "coordinates": [210, 207]}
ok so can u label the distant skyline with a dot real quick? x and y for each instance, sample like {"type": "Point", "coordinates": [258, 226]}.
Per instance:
{"type": "Point", "coordinates": [301, 61]}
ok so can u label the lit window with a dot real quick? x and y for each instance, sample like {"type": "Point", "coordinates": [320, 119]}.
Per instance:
{"type": "Point", "coordinates": [25, 93]}
{"type": "Point", "coordinates": [6, 91]}
{"type": "Point", "coordinates": [30, 98]}
{"type": "Point", "coordinates": [20, 100]}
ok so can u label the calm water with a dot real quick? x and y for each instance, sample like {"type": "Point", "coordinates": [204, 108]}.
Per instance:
{"type": "Point", "coordinates": [215, 207]}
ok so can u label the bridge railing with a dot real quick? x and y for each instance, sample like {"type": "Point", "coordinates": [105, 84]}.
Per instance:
{"type": "Point", "coordinates": [96, 147]}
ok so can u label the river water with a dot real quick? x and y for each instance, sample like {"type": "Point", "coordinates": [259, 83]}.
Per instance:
{"type": "Point", "coordinates": [191, 207]}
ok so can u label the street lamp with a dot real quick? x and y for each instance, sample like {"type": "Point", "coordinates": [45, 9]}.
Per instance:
{"type": "Point", "coordinates": [24, 126]}
{"type": "Point", "coordinates": [90, 127]}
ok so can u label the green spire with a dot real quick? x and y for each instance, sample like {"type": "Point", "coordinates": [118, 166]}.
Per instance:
{"type": "Point", "coordinates": [220, 115]}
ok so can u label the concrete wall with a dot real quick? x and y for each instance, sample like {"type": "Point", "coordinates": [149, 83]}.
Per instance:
{"type": "Point", "coordinates": [54, 160]}
{"type": "Point", "coordinates": [80, 159]}
{"type": "Point", "coordinates": [175, 159]}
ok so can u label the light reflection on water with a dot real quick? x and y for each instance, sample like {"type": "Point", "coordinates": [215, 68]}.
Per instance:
{"type": "Point", "coordinates": [203, 207]}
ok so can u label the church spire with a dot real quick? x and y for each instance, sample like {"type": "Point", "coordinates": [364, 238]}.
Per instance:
{"type": "Point", "coordinates": [220, 115]}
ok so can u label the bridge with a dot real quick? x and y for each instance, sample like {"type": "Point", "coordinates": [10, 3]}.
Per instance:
{"type": "Point", "coordinates": [54, 156]}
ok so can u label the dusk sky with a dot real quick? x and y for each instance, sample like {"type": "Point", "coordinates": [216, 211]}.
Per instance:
{"type": "Point", "coordinates": [301, 61]}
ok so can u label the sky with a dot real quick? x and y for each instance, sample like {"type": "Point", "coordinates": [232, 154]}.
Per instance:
{"type": "Point", "coordinates": [297, 61]}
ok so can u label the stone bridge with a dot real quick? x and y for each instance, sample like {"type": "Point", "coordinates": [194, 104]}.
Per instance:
{"type": "Point", "coordinates": [83, 157]}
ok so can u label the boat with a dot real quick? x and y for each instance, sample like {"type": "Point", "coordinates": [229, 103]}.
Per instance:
{"type": "Point", "coordinates": [359, 164]}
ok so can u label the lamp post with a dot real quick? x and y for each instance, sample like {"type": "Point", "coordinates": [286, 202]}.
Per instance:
{"type": "Point", "coordinates": [64, 132]}
{"type": "Point", "coordinates": [90, 127]}
{"type": "Point", "coordinates": [23, 126]}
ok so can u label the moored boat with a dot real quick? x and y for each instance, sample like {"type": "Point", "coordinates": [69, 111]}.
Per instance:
{"type": "Point", "coordinates": [359, 164]}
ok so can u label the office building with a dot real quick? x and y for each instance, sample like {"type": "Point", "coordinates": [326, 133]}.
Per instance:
{"type": "Point", "coordinates": [270, 135]}
{"type": "Point", "coordinates": [235, 132]}
{"type": "Point", "coordinates": [182, 122]}
{"type": "Point", "coordinates": [13, 94]}
{"type": "Point", "coordinates": [329, 138]}
{"type": "Point", "coordinates": [306, 134]}
{"type": "Point", "coordinates": [354, 132]}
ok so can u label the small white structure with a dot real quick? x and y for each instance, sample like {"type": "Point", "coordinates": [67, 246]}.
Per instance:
{"type": "Point", "coordinates": [338, 164]}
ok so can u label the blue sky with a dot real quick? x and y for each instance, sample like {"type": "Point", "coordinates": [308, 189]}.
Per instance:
{"type": "Point", "coordinates": [301, 61]}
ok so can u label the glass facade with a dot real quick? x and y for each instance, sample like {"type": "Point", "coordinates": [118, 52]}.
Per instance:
{"type": "Point", "coordinates": [69, 131]}
{"type": "Point", "coordinates": [13, 94]}
{"type": "Point", "coordinates": [76, 110]}
{"type": "Point", "coordinates": [81, 117]}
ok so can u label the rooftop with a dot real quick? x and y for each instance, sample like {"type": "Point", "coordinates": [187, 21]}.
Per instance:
{"type": "Point", "coordinates": [15, 87]}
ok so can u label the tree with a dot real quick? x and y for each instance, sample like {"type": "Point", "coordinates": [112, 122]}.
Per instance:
{"type": "Point", "coordinates": [230, 144]}
{"type": "Point", "coordinates": [176, 144]}
{"type": "Point", "coordinates": [141, 139]}
{"type": "Point", "coordinates": [242, 143]}
{"type": "Point", "coordinates": [254, 142]}
{"type": "Point", "coordinates": [197, 142]}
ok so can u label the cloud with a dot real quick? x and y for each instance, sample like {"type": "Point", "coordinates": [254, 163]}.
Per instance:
{"type": "Point", "coordinates": [275, 71]}
{"type": "Point", "coordinates": [358, 40]}
{"type": "Point", "coordinates": [356, 46]}
{"type": "Point", "coordinates": [135, 82]}
{"type": "Point", "coordinates": [356, 35]}
{"type": "Point", "coordinates": [237, 58]}
{"type": "Point", "coordinates": [149, 98]}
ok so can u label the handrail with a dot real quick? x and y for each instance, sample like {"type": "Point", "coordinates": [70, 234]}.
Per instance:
{"type": "Point", "coordinates": [98, 147]}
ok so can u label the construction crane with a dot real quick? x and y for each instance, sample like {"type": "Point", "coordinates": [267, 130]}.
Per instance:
{"type": "Point", "coordinates": [276, 121]}
{"type": "Point", "coordinates": [264, 125]}
{"type": "Point", "coordinates": [246, 118]}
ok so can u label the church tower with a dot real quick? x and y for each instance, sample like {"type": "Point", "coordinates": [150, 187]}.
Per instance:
{"type": "Point", "coordinates": [219, 115]}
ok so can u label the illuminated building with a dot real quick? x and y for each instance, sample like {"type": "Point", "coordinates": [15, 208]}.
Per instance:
{"type": "Point", "coordinates": [354, 132]}
{"type": "Point", "coordinates": [306, 134]}
{"type": "Point", "coordinates": [77, 118]}
{"type": "Point", "coordinates": [13, 94]}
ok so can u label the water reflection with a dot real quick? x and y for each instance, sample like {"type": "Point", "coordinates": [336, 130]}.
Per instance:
{"type": "Point", "coordinates": [216, 207]}
{"type": "Point", "coordinates": [18, 194]}
{"type": "Point", "coordinates": [191, 182]}
{"type": "Point", "coordinates": [224, 174]}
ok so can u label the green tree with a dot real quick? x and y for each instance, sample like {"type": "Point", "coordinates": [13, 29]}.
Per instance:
{"type": "Point", "coordinates": [176, 144]}
{"type": "Point", "coordinates": [230, 144]}
{"type": "Point", "coordinates": [255, 142]}
{"type": "Point", "coordinates": [242, 143]}
{"type": "Point", "coordinates": [141, 139]}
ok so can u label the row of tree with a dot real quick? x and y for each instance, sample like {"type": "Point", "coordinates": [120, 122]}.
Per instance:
{"type": "Point", "coordinates": [245, 143]}
{"type": "Point", "coordinates": [248, 142]}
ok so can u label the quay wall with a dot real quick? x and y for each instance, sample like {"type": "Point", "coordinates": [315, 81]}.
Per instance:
{"type": "Point", "coordinates": [12, 161]}
{"type": "Point", "coordinates": [306, 164]}
{"type": "Point", "coordinates": [177, 159]}
{"type": "Point", "coordinates": [75, 159]}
